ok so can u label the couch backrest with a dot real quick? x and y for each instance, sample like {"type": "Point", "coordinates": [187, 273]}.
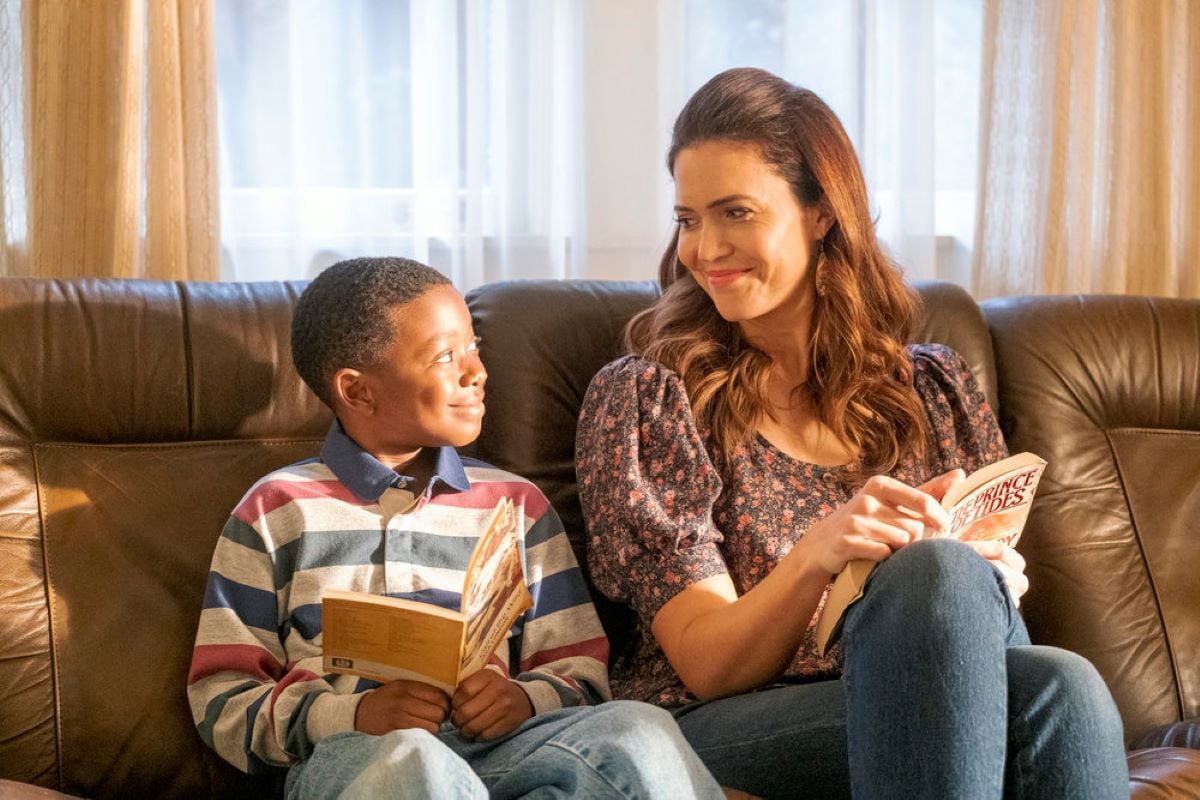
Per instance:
{"type": "Point", "coordinates": [133, 415]}
{"type": "Point", "coordinates": [544, 340]}
{"type": "Point", "coordinates": [1107, 389]}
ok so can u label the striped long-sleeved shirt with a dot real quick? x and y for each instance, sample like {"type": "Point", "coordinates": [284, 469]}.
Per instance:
{"type": "Point", "coordinates": [256, 688]}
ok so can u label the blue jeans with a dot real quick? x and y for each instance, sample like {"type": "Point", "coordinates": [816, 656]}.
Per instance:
{"type": "Point", "coordinates": [615, 750]}
{"type": "Point", "coordinates": [942, 696]}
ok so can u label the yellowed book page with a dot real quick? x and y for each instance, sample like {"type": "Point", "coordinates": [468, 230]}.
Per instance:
{"type": "Point", "coordinates": [384, 639]}
{"type": "Point", "coordinates": [494, 593]}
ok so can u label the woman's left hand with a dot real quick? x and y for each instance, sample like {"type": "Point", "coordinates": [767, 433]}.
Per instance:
{"type": "Point", "coordinates": [1009, 562]}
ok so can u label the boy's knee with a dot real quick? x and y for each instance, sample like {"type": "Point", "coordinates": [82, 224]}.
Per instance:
{"type": "Point", "coordinates": [409, 762]}
{"type": "Point", "coordinates": [635, 726]}
{"type": "Point", "coordinates": [414, 752]}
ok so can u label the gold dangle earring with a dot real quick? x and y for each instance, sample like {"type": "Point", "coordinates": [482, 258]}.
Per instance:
{"type": "Point", "coordinates": [819, 278]}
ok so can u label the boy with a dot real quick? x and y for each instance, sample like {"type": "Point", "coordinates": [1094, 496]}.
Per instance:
{"type": "Point", "coordinates": [389, 507]}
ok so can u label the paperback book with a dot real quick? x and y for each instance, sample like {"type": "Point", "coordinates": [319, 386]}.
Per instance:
{"type": "Point", "coordinates": [388, 638]}
{"type": "Point", "coordinates": [990, 504]}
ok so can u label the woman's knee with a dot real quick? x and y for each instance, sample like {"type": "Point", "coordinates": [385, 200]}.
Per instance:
{"type": "Point", "coordinates": [636, 730]}
{"type": "Point", "coordinates": [928, 571]}
{"type": "Point", "coordinates": [1063, 680]}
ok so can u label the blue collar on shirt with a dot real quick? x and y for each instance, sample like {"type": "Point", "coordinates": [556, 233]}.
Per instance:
{"type": "Point", "coordinates": [369, 478]}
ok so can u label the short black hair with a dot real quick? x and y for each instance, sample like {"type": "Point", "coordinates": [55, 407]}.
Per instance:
{"type": "Point", "coordinates": [343, 319]}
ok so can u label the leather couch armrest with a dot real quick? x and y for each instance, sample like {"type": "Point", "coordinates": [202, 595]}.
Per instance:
{"type": "Point", "coordinates": [1177, 734]}
{"type": "Point", "coordinates": [12, 790]}
{"type": "Point", "coordinates": [1164, 773]}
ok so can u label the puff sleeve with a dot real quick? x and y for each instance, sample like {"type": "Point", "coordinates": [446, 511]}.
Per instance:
{"type": "Point", "coordinates": [963, 431]}
{"type": "Point", "coordinates": [647, 486]}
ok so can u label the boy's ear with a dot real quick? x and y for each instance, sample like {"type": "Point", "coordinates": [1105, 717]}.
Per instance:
{"type": "Point", "coordinates": [353, 391]}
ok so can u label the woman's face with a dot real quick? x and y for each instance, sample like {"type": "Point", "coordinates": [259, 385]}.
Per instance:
{"type": "Point", "coordinates": [744, 236]}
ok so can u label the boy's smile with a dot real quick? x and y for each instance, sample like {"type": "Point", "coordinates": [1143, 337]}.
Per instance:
{"type": "Point", "coordinates": [427, 388]}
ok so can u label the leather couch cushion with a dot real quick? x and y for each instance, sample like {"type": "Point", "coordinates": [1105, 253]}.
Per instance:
{"type": "Point", "coordinates": [1107, 392]}
{"type": "Point", "coordinates": [103, 361]}
{"type": "Point", "coordinates": [1164, 773]}
{"type": "Point", "coordinates": [243, 383]}
{"type": "Point", "coordinates": [129, 531]}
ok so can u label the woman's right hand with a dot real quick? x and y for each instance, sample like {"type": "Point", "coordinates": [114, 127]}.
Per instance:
{"type": "Point", "coordinates": [883, 516]}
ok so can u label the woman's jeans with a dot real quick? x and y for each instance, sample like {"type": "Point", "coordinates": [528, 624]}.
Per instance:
{"type": "Point", "coordinates": [942, 696]}
{"type": "Point", "coordinates": [614, 750]}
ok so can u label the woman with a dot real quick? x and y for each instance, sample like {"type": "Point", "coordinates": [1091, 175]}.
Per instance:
{"type": "Point", "coordinates": [769, 426]}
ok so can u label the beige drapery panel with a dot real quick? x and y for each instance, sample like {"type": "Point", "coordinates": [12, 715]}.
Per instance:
{"type": "Point", "coordinates": [119, 141]}
{"type": "Point", "coordinates": [1090, 148]}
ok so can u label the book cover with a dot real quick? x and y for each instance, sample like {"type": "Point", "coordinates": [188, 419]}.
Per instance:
{"type": "Point", "coordinates": [387, 638]}
{"type": "Point", "coordinates": [991, 503]}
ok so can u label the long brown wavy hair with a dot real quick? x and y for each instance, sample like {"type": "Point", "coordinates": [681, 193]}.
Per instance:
{"type": "Point", "coordinates": [860, 375]}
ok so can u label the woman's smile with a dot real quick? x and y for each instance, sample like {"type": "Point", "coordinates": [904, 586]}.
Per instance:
{"type": "Point", "coordinates": [721, 278]}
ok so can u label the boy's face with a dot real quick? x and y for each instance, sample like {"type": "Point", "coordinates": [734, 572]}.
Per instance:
{"type": "Point", "coordinates": [429, 385]}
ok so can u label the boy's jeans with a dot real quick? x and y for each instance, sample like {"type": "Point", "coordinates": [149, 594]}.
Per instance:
{"type": "Point", "coordinates": [944, 695]}
{"type": "Point", "coordinates": [614, 750]}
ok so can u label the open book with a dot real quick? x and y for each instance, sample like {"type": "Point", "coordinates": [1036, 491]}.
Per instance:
{"type": "Point", "coordinates": [991, 503]}
{"type": "Point", "coordinates": [386, 638]}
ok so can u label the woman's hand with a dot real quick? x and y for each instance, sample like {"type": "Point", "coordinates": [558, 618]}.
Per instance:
{"type": "Point", "coordinates": [879, 519]}
{"type": "Point", "coordinates": [1009, 562]}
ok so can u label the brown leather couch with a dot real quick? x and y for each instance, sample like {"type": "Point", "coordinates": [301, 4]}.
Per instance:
{"type": "Point", "coordinates": [133, 415]}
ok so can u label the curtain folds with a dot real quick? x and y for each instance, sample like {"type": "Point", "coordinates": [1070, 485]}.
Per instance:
{"type": "Point", "coordinates": [449, 132]}
{"type": "Point", "coordinates": [1090, 148]}
{"type": "Point", "coordinates": [108, 140]}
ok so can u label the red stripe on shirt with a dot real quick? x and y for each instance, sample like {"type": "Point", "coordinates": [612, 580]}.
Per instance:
{"type": "Point", "coordinates": [591, 648]}
{"type": "Point", "coordinates": [499, 662]}
{"type": "Point", "coordinates": [569, 681]}
{"type": "Point", "coordinates": [276, 494]}
{"type": "Point", "coordinates": [295, 676]}
{"type": "Point", "coordinates": [248, 659]}
{"type": "Point", "coordinates": [486, 494]}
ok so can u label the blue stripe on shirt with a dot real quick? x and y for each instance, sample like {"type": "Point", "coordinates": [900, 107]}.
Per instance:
{"type": "Point", "coordinates": [322, 549]}
{"type": "Point", "coordinates": [306, 619]}
{"type": "Point", "coordinates": [348, 548]}
{"type": "Point", "coordinates": [545, 529]}
{"type": "Point", "coordinates": [254, 764]}
{"type": "Point", "coordinates": [240, 533]}
{"type": "Point", "coordinates": [556, 592]}
{"type": "Point", "coordinates": [215, 706]}
{"type": "Point", "coordinates": [254, 607]}
{"type": "Point", "coordinates": [297, 741]}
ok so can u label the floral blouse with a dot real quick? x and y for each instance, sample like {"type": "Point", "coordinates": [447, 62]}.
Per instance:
{"type": "Point", "coordinates": [660, 517]}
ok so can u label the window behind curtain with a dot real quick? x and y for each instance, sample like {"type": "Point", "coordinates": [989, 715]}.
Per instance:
{"type": "Point", "coordinates": [450, 130]}
{"type": "Point", "coordinates": [443, 130]}
{"type": "Point", "coordinates": [902, 75]}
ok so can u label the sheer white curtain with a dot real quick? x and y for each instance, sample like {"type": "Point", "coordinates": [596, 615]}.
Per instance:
{"type": "Point", "coordinates": [903, 76]}
{"type": "Point", "coordinates": [1091, 154]}
{"type": "Point", "coordinates": [445, 130]}
{"type": "Point", "coordinates": [525, 138]}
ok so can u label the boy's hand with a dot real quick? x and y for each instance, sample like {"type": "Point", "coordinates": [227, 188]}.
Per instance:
{"type": "Point", "coordinates": [401, 704]}
{"type": "Point", "coordinates": [487, 705]}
